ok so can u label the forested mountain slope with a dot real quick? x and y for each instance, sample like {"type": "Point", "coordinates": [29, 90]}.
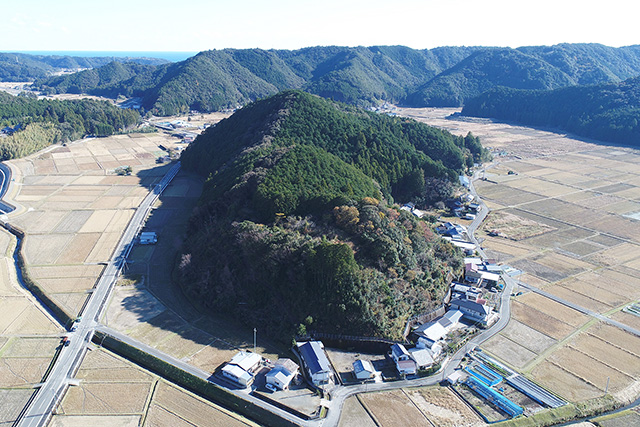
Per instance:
{"type": "Point", "coordinates": [363, 76]}
{"type": "Point", "coordinates": [608, 112]}
{"type": "Point", "coordinates": [294, 228]}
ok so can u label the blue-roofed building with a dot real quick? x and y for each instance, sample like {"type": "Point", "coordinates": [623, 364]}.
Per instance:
{"type": "Point", "coordinates": [316, 362]}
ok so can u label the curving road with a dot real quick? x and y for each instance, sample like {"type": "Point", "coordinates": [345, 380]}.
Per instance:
{"type": "Point", "coordinates": [5, 180]}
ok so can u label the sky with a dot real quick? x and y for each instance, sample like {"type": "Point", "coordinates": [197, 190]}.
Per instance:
{"type": "Point", "coordinates": [197, 25]}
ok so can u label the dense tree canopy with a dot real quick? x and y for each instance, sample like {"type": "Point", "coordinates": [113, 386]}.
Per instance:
{"type": "Point", "coordinates": [293, 223]}
{"type": "Point", "coordinates": [608, 112]}
{"type": "Point", "coordinates": [60, 121]}
{"type": "Point", "coordinates": [363, 76]}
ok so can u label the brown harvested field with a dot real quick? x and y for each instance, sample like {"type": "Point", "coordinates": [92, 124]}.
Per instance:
{"type": "Point", "coordinates": [106, 398]}
{"type": "Point", "coordinates": [563, 383]}
{"type": "Point", "coordinates": [31, 347]}
{"type": "Point", "coordinates": [444, 408]}
{"type": "Point", "coordinates": [45, 248]}
{"type": "Point", "coordinates": [617, 226]}
{"type": "Point", "coordinates": [505, 248]}
{"type": "Point", "coordinates": [185, 342]}
{"type": "Point", "coordinates": [527, 337]}
{"type": "Point", "coordinates": [582, 300]}
{"type": "Point", "coordinates": [542, 322]}
{"type": "Point", "coordinates": [567, 265]}
{"type": "Point", "coordinates": [193, 409]}
{"type": "Point", "coordinates": [538, 186]}
{"type": "Point", "coordinates": [554, 309]}
{"type": "Point", "coordinates": [160, 417]}
{"type": "Point", "coordinates": [628, 319]}
{"type": "Point", "coordinates": [72, 303]}
{"type": "Point", "coordinates": [617, 358]}
{"type": "Point", "coordinates": [508, 351]}
{"type": "Point", "coordinates": [617, 337]}
{"type": "Point", "coordinates": [19, 316]}
{"type": "Point", "coordinates": [512, 226]}
{"type": "Point", "coordinates": [95, 421]}
{"type": "Point", "coordinates": [11, 403]}
{"type": "Point", "coordinates": [393, 408]}
{"type": "Point", "coordinates": [102, 366]}
{"type": "Point", "coordinates": [354, 414]}
{"type": "Point", "coordinates": [104, 247]}
{"type": "Point", "coordinates": [23, 371]}
{"type": "Point", "coordinates": [98, 221]}
{"type": "Point", "coordinates": [72, 222]}
{"type": "Point", "coordinates": [590, 370]}
{"type": "Point", "coordinates": [62, 271]}
{"type": "Point", "coordinates": [209, 358]}
{"type": "Point", "coordinates": [79, 248]}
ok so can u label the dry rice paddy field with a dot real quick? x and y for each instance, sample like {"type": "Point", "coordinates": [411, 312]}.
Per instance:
{"type": "Point", "coordinates": [579, 204]}
{"type": "Point", "coordinates": [409, 407]}
{"type": "Point", "coordinates": [28, 338]}
{"type": "Point", "coordinates": [155, 312]}
{"type": "Point", "coordinates": [114, 392]}
{"type": "Point", "coordinates": [74, 208]}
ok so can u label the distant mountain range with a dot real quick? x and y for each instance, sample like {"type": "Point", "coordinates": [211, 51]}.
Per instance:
{"type": "Point", "coordinates": [23, 67]}
{"type": "Point", "coordinates": [363, 76]}
{"type": "Point", "coordinates": [608, 111]}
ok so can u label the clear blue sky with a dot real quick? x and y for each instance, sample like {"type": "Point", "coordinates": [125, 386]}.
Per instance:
{"type": "Point", "coordinates": [196, 25]}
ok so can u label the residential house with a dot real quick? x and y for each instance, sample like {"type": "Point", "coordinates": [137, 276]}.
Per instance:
{"type": "Point", "coordinates": [316, 362]}
{"type": "Point", "coordinates": [404, 362]}
{"type": "Point", "coordinates": [471, 310]}
{"type": "Point", "coordinates": [241, 368]}
{"type": "Point", "coordinates": [363, 369]}
{"type": "Point", "coordinates": [284, 371]}
{"type": "Point", "coordinates": [422, 357]}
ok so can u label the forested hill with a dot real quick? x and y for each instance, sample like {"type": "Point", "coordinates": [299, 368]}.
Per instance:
{"type": "Point", "coordinates": [294, 228]}
{"type": "Point", "coordinates": [608, 112]}
{"type": "Point", "coordinates": [363, 76]}
{"type": "Point", "coordinates": [29, 125]}
{"type": "Point", "coordinates": [22, 67]}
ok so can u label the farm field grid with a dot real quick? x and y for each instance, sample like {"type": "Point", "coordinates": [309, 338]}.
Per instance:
{"type": "Point", "coordinates": [567, 211]}
{"type": "Point", "coordinates": [567, 214]}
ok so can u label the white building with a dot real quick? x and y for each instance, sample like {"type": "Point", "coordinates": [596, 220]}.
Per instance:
{"type": "Point", "coordinates": [472, 310]}
{"type": "Point", "coordinates": [363, 369]}
{"type": "Point", "coordinates": [237, 375]}
{"type": "Point", "coordinates": [282, 374]}
{"type": "Point", "coordinates": [242, 367]}
{"type": "Point", "coordinates": [433, 332]}
{"type": "Point", "coordinates": [422, 357]}
{"type": "Point", "coordinates": [404, 363]}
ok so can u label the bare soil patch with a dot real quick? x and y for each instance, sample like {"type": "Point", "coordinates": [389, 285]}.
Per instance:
{"type": "Point", "coordinates": [444, 408]}
{"type": "Point", "coordinates": [527, 337]}
{"type": "Point", "coordinates": [508, 351]}
{"type": "Point", "coordinates": [95, 421]}
{"type": "Point", "coordinates": [106, 398]}
{"type": "Point", "coordinates": [393, 408]}
{"type": "Point", "coordinates": [354, 414]}
{"type": "Point", "coordinates": [564, 383]}
{"type": "Point", "coordinates": [193, 409]}
{"type": "Point", "coordinates": [11, 403]}
{"type": "Point", "coordinates": [513, 227]}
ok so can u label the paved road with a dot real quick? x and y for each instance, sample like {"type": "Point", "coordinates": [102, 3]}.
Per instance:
{"type": "Point", "coordinates": [205, 375]}
{"type": "Point", "coordinates": [449, 365]}
{"type": "Point", "coordinates": [71, 355]}
{"type": "Point", "coordinates": [5, 179]}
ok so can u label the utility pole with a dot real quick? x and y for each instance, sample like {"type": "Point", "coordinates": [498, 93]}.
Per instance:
{"type": "Point", "coordinates": [606, 389]}
{"type": "Point", "coordinates": [254, 339]}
